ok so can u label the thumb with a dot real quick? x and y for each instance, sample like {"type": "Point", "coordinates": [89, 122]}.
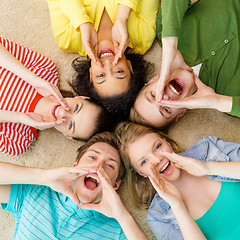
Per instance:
{"type": "Point", "coordinates": [186, 67]}
{"type": "Point", "coordinates": [72, 196]}
{"type": "Point", "coordinates": [90, 206]}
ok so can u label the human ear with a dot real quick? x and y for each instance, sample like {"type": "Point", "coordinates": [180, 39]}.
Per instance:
{"type": "Point", "coordinates": [71, 138]}
{"type": "Point", "coordinates": [117, 184]}
{"type": "Point", "coordinates": [90, 74]}
{"type": "Point", "coordinates": [75, 163]}
{"type": "Point", "coordinates": [130, 66]}
{"type": "Point", "coordinates": [180, 115]}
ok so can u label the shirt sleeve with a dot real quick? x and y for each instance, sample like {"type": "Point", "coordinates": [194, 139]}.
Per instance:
{"type": "Point", "coordinates": [16, 138]}
{"type": "Point", "coordinates": [75, 11]}
{"type": "Point", "coordinates": [130, 3]}
{"type": "Point", "coordinates": [16, 199]}
{"type": "Point", "coordinates": [235, 106]}
{"type": "Point", "coordinates": [169, 18]}
{"type": "Point", "coordinates": [142, 26]}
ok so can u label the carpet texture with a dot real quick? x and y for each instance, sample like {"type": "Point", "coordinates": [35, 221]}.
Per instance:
{"type": "Point", "coordinates": [28, 23]}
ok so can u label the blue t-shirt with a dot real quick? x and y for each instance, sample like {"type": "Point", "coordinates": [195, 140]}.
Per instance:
{"type": "Point", "coordinates": [41, 213]}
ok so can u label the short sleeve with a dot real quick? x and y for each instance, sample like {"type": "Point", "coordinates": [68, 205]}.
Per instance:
{"type": "Point", "coordinates": [235, 106]}
{"type": "Point", "coordinates": [16, 199]}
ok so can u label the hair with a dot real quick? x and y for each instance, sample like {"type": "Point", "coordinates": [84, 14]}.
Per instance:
{"type": "Point", "coordinates": [104, 137]}
{"type": "Point", "coordinates": [103, 121]}
{"type": "Point", "coordinates": [140, 188]}
{"type": "Point", "coordinates": [119, 106]}
{"type": "Point", "coordinates": [137, 118]}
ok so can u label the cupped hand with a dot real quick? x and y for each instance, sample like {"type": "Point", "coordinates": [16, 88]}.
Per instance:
{"type": "Point", "coordinates": [51, 91]}
{"type": "Point", "coordinates": [38, 121]}
{"type": "Point", "coordinates": [165, 189]}
{"type": "Point", "coordinates": [171, 60]}
{"type": "Point", "coordinates": [205, 97]}
{"type": "Point", "coordinates": [111, 204]}
{"type": "Point", "coordinates": [120, 38]}
{"type": "Point", "coordinates": [61, 179]}
{"type": "Point", "coordinates": [90, 42]}
{"type": "Point", "coordinates": [193, 166]}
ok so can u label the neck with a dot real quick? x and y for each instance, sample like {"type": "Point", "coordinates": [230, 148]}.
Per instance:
{"type": "Point", "coordinates": [105, 27]}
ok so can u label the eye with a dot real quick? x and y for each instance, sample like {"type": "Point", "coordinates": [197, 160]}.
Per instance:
{"type": "Point", "coordinates": [100, 75]}
{"type": "Point", "coordinates": [92, 157]}
{"type": "Point", "coordinates": [152, 95]}
{"type": "Point", "coordinates": [109, 166]}
{"type": "Point", "coordinates": [167, 110]}
{"type": "Point", "coordinates": [76, 108]}
{"type": "Point", "coordinates": [70, 125]}
{"type": "Point", "coordinates": [158, 147]}
{"type": "Point", "coordinates": [119, 71]}
{"type": "Point", "coordinates": [143, 162]}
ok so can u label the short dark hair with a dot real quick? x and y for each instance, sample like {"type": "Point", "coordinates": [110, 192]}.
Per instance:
{"type": "Point", "coordinates": [105, 137]}
{"type": "Point", "coordinates": [118, 106]}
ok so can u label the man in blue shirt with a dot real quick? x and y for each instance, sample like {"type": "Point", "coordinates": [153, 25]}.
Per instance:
{"type": "Point", "coordinates": [56, 203]}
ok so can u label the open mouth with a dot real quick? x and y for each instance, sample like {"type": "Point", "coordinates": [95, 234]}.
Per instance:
{"type": "Point", "coordinates": [105, 53]}
{"type": "Point", "coordinates": [91, 181]}
{"type": "Point", "coordinates": [176, 86]}
{"type": "Point", "coordinates": [55, 111]}
{"type": "Point", "coordinates": [166, 168]}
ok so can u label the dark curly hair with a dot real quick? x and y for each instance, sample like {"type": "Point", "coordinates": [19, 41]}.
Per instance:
{"type": "Point", "coordinates": [118, 106]}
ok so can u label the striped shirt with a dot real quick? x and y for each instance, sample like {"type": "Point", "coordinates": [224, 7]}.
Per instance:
{"type": "Point", "coordinates": [41, 213]}
{"type": "Point", "coordinates": [19, 96]}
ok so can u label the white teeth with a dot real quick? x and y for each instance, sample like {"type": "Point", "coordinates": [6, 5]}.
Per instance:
{"type": "Point", "coordinates": [93, 176]}
{"type": "Point", "coordinates": [165, 166]}
{"type": "Point", "coordinates": [106, 54]}
{"type": "Point", "coordinates": [173, 89]}
{"type": "Point", "coordinates": [56, 111]}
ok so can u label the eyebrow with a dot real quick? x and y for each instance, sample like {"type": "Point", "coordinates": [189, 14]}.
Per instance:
{"type": "Point", "coordinates": [79, 108]}
{"type": "Point", "coordinates": [97, 152]}
{"type": "Point", "coordinates": [104, 80]}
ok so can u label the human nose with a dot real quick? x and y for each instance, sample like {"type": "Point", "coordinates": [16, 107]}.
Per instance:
{"type": "Point", "coordinates": [156, 159]}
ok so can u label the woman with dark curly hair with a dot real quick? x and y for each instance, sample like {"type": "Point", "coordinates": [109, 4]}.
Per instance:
{"type": "Point", "coordinates": [103, 30]}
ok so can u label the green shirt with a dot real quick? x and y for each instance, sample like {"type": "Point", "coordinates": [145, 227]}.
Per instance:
{"type": "Point", "coordinates": [221, 221]}
{"type": "Point", "coordinates": [208, 33]}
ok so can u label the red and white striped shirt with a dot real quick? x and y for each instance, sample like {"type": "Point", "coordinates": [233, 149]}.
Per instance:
{"type": "Point", "coordinates": [19, 96]}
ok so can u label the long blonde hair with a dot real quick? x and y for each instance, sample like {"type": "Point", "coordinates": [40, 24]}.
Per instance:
{"type": "Point", "coordinates": [140, 189]}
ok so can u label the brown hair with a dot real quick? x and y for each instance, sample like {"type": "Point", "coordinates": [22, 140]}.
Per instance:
{"type": "Point", "coordinates": [105, 137]}
{"type": "Point", "coordinates": [140, 189]}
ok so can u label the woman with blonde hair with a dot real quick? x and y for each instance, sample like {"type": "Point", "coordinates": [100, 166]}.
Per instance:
{"type": "Point", "coordinates": [190, 192]}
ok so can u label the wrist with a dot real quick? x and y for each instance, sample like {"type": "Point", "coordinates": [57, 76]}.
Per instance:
{"type": "Point", "coordinates": [170, 42]}
{"type": "Point", "coordinates": [224, 103]}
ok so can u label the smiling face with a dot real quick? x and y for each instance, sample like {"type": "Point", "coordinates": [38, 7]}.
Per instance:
{"type": "Point", "coordinates": [111, 80]}
{"type": "Point", "coordinates": [145, 154]}
{"type": "Point", "coordinates": [88, 187]}
{"type": "Point", "coordinates": [180, 85]}
{"type": "Point", "coordinates": [80, 120]}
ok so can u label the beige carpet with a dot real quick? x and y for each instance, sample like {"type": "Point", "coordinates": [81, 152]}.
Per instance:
{"type": "Point", "coordinates": [28, 23]}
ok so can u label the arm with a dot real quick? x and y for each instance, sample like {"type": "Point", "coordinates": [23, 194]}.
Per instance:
{"type": "Point", "coordinates": [170, 194]}
{"type": "Point", "coordinates": [47, 89]}
{"type": "Point", "coordinates": [199, 168]}
{"type": "Point", "coordinates": [169, 22]}
{"type": "Point", "coordinates": [120, 31]}
{"type": "Point", "coordinates": [75, 11]}
{"type": "Point", "coordinates": [205, 97]}
{"type": "Point", "coordinates": [59, 179]}
{"type": "Point", "coordinates": [30, 119]}
{"type": "Point", "coordinates": [112, 206]}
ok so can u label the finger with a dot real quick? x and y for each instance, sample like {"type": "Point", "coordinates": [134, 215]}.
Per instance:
{"type": "Point", "coordinates": [198, 82]}
{"type": "Point", "coordinates": [116, 50]}
{"type": "Point", "coordinates": [89, 51]}
{"type": "Point", "coordinates": [72, 196]}
{"type": "Point", "coordinates": [186, 67]}
{"type": "Point", "coordinates": [56, 92]}
{"type": "Point", "coordinates": [160, 90]}
{"type": "Point", "coordinates": [90, 206]}
{"type": "Point", "coordinates": [176, 104]}
{"type": "Point", "coordinates": [172, 156]}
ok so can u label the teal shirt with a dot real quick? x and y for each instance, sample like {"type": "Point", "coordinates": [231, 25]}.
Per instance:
{"type": "Point", "coordinates": [208, 33]}
{"type": "Point", "coordinates": [221, 221]}
{"type": "Point", "coordinates": [41, 213]}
